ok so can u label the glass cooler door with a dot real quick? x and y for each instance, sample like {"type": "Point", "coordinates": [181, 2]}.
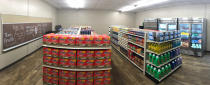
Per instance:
{"type": "Point", "coordinates": [185, 35]}
{"type": "Point", "coordinates": [162, 27]}
{"type": "Point", "coordinates": [172, 27]}
{"type": "Point", "coordinates": [196, 37]}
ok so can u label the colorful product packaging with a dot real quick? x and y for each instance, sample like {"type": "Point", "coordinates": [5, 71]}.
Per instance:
{"type": "Point", "coordinates": [107, 73]}
{"type": "Point", "coordinates": [55, 61]}
{"type": "Point", "coordinates": [98, 40]}
{"type": "Point", "coordinates": [98, 74]}
{"type": "Point", "coordinates": [89, 40]}
{"type": "Point", "coordinates": [99, 54]}
{"type": "Point", "coordinates": [67, 82]}
{"type": "Point", "coordinates": [68, 63]}
{"type": "Point", "coordinates": [70, 54]}
{"type": "Point", "coordinates": [55, 39]}
{"type": "Point", "coordinates": [100, 63]}
{"type": "Point", "coordinates": [107, 81]}
{"type": "Point", "coordinates": [107, 63]}
{"type": "Point", "coordinates": [81, 54]}
{"type": "Point", "coordinates": [99, 81]}
{"type": "Point", "coordinates": [106, 40]}
{"type": "Point", "coordinates": [47, 60]}
{"type": "Point", "coordinates": [71, 40]}
{"type": "Point", "coordinates": [90, 54]}
{"type": "Point", "coordinates": [82, 40]}
{"type": "Point", "coordinates": [55, 52]}
{"type": "Point", "coordinates": [84, 75]}
{"type": "Point", "coordinates": [107, 54]}
{"type": "Point", "coordinates": [64, 74]}
{"type": "Point", "coordinates": [47, 51]}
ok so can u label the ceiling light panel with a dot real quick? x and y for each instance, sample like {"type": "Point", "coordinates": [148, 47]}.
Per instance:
{"type": "Point", "coordinates": [141, 3]}
{"type": "Point", "coordinates": [76, 3]}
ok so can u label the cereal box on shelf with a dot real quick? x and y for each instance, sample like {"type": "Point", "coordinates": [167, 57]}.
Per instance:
{"type": "Point", "coordinates": [107, 53]}
{"type": "Point", "coordinates": [107, 73]}
{"type": "Point", "coordinates": [55, 39]}
{"type": "Point", "coordinates": [90, 54]}
{"type": "Point", "coordinates": [107, 63]}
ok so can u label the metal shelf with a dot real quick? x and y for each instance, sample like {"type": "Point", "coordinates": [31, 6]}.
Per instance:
{"type": "Point", "coordinates": [162, 41]}
{"type": "Point", "coordinates": [164, 51]}
{"type": "Point", "coordinates": [95, 69]}
{"type": "Point", "coordinates": [135, 44]}
{"type": "Point", "coordinates": [165, 75]}
{"type": "Point", "coordinates": [135, 35]}
{"type": "Point", "coordinates": [136, 53]}
{"type": "Point", "coordinates": [164, 62]}
{"type": "Point", "coordinates": [128, 59]}
{"type": "Point", "coordinates": [68, 47]}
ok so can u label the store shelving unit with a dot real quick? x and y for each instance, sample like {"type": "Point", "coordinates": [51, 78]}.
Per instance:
{"type": "Point", "coordinates": [75, 47]}
{"type": "Point", "coordinates": [145, 56]}
{"type": "Point", "coordinates": [69, 69]}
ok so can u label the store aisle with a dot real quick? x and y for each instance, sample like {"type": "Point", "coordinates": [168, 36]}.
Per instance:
{"type": "Point", "coordinates": [194, 71]}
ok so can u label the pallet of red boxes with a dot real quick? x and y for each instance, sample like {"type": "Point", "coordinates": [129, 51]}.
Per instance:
{"type": "Point", "coordinates": [64, 77]}
{"type": "Point", "coordinates": [77, 58]}
{"type": "Point", "coordinates": [77, 40]}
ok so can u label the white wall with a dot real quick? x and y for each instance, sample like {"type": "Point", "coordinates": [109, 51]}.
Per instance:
{"type": "Point", "coordinates": [193, 10]}
{"type": "Point", "coordinates": [33, 8]}
{"type": "Point", "coordinates": [99, 20]}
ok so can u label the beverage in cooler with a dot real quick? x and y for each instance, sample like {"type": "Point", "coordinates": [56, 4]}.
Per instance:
{"type": "Point", "coordinates": [185, 35]}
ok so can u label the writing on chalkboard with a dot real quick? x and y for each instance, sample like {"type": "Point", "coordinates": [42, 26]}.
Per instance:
{"type": "Point", "coordinates": [15, 34]}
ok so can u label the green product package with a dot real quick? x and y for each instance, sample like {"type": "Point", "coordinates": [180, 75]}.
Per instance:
{"type": "Point", "coordinates": [150, 57]}
{"type": "Point", "coordinates": [166, 69]}
{"type": "Point", "coordinates": [158, 75]}
{"type": "Point", "coordinates": [148, 68]}
{"type": "Point", "coordinates": [169, 67]}
{"type": "Point", "coordinates": [154, 71]}
{"type": "Point", "coordinates": [162, 72]}
{"type": "Point", "coordinates": [153, 58]}
{"type": "Point", "coordinates": [151, 70]}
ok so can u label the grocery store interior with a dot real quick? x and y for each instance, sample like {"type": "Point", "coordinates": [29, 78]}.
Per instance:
{"type": "Point", "coordinates": [104, 42]}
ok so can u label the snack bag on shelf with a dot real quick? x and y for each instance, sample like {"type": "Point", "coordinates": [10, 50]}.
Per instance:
{"type": "Point", "coordinates": [82, 63]}
{"type": "Point", "coordinates": [99, 81]}
{"type": "Point", "coordinates": [100, 63]}
{"type": "Point", "coordinates": [98, 74]}
{"type": "Point", "coordinates": [47, 51]}
{"type": "Point", "coordinates": [47, 60]}
{"type": "Point", "coordinates": [55, 52]}
{"type": "Point", "coordinates": [55, 39]}
{"type": "Point", "coordinates": [71, 40]}
{"type": "Point", "coordinates": [90, 54]}
{"type": "Point", "coordinates": [107, 54]}
{"type": "Point", "coordinates": [99, 54]}
{"type": "Point", "coordinates": [107, 81]}
{"type": "Point", "coordinates": [54, 72]}
{"type": "Point", "coordinates": [67, 63]}
{"type": "Point", "coordinates": [55, 61]}
{"type": "Point", "coordinates": [64, 74]}
{"type": "Point", "coordinates": [81, 54]}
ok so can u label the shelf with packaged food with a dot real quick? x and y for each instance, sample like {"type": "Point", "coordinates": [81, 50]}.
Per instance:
{"type": "Point", "coordinates": [163, 51]}
{"type": "Point", "coordinates": [77, 69]}
{"type": "Point", "coordinates": [136, 53]}
{"type": "Point", "coordinates": [75, 47]}
{"type": "Point", "coordinates": [163, 41]}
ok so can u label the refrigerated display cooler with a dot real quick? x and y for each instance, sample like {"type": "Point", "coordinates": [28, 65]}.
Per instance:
{"type": "Point", "coordinates": [151, 23]}
{"type": "Point", "coordinates": [167, 24]}
{"type": "Point", "coordinates": [193, 35]}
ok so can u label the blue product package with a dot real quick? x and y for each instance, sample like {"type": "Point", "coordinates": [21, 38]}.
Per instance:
{"type": "Point", "coordinates": [151, 38]}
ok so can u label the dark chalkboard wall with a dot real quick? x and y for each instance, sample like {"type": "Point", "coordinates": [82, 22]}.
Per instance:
{"type": "Point", "coordinates": [15, 34]}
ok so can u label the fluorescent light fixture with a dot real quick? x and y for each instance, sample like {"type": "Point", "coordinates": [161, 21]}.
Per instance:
{"type": "Point", "coordinates": [76, 3]}
{"type": "Point", "coordinates": [141, 3]}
